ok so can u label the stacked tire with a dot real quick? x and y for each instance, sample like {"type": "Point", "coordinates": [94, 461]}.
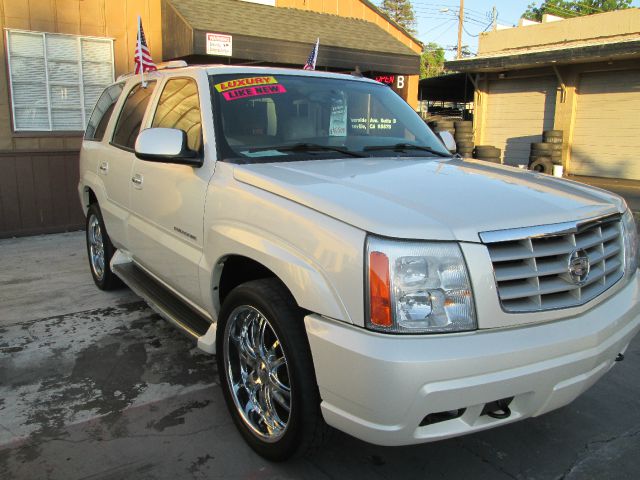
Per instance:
{"type": "Point", "coordinates": [488, 153]}
{"type": "Point", "coordinates": [443, 126]}
{"type": "Point", "coordinates": [464, 137]}
{"type": "Point", "coordinates": [544, 155]}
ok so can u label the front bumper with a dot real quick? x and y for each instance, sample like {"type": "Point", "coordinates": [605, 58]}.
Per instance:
{"type": "Point", "coordinates": [380, 387]}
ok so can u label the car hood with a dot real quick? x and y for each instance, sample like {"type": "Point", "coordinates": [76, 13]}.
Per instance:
{"type": "Point", "coordinates": [427, 198]}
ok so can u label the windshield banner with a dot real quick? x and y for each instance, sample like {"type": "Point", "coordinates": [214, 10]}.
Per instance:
{"type": "Point", "coordinates": [253, 92]}
{"type": "Point", "coordinates": [245, 82]}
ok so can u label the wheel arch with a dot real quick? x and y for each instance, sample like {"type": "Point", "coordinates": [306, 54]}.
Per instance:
{"type": "Point", "coordinates": [247, 255]}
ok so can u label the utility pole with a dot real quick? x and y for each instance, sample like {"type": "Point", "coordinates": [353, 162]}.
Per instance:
{"type": "Point", "coordinates": [494, 18]}
{"type": "Point", "coordinates": [460, 26]}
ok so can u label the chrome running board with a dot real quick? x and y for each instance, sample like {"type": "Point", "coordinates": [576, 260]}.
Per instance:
{"type": "Point", "coordinates": [165, 303]}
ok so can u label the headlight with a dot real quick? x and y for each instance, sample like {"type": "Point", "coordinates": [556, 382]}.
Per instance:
{"type": "Point", "coordinates": [630, 233]}
{"type": "Point", "coordinates": [417, 287]}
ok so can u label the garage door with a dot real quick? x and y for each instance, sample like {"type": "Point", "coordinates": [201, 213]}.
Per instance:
{"type": "Point", "coordinates": [606, 135]}
{"type": "Point", "coordinates": [518, 110]}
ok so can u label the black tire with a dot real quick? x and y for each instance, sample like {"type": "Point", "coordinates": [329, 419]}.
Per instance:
{"type": "Point", "coordinates": [104, 279]}
{"type": "Point", "coordinates": [553, 140]}
{"type": "Point", "coordinates": [487, 152]}
{"type": "Point", "coordinates": [465, 144]}
{"type": "Point", "coordinates": [542, 165]}
{"type": "Point", "coordinates": [460, 124]}
{"type": "Point", "coordinates": [305, 428]}
{"type": "Point", "coordinates": [543, 153]}
{"type": "Point", "coordinates": [464, 131]}
{"type": "Point", "coordinates": [541, 147]}
{"type": "Point", "coordinates": [553, 134]}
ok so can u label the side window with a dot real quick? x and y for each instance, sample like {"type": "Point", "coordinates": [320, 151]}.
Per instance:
{"type": "Point", "coordinates": [102, 112]}
{"type": "Point", "coordinates": [131, 115]}
{"type": "Point", "coordinates": [179, 107]}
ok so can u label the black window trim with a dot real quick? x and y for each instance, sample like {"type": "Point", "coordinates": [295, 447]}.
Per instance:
{"type": "Point", "coordinates": [122, 147]}
{"type": "Point", "coordinates": [84, 139]}
{"type": "Point", "coordinates": [167, 79]}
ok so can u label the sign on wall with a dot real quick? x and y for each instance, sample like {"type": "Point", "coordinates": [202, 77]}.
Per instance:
{"type": "Point", "coordinates": [219, 44]}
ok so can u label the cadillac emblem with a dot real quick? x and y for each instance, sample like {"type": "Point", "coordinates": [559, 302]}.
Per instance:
{"type": "Point", "coordinates": [579, 267]}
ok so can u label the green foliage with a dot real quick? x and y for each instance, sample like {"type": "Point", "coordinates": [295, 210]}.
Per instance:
{"type": "Point", "coordinates": [573, 8]}
{"type": "Point", "coordinates": [431, 60]}
{"type": "Point", "coordinates": [401, 12]}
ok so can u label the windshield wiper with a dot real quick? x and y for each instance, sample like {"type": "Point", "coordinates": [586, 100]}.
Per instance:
{"type": "Point", "coordinates": [399, 147]}
{"type": "Point", "coordinates": [308, 147]}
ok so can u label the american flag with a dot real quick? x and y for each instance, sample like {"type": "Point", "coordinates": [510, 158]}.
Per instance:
{"type": "Point", "coordinates": [313, 56]}
{"type": "Point", "coordinates": [143, 60]}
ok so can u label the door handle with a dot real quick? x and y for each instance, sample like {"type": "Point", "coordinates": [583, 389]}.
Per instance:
{"type": "Point", "coordinates": [137, 180]}
{"type": "Point", "coordinates": [104, 167]}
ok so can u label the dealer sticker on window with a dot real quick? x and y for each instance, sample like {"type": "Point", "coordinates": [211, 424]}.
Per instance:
{"type": "Point", "coordinates": [249, 87]}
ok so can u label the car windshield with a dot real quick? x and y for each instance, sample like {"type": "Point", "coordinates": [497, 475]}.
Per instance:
{"type": "Point", "coordinates": [273, 118]}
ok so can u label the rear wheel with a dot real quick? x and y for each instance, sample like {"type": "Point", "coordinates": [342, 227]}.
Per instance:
{"type": "Point", "coordinates": [266, 371]}
{"type": "Point", "coordinates": [100, 250]}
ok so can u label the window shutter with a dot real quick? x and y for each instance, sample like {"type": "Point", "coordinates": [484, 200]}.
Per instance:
{"type": "Point", "coordinates": [64, 82]}
{"type": "Point", "coordinates": [56, 79]}
{"type": "Point", "coordinates": [97, 70]}
{"type": "Point", "coordinates": [28, 81]}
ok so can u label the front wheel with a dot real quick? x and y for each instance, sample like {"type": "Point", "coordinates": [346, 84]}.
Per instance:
{"type": "Point", "coordinates": [266, 371]}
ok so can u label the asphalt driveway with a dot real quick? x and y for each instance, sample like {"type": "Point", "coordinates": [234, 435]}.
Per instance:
{"type": "Point", "coordinates": [95, 385]}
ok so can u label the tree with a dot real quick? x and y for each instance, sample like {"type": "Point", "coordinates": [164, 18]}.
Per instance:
{"type": "Point", "coordinates": [431, 60]}
{"type": "Point", "coordinates": [401, 12]}
{"type": "Point", "coordinates": [573, 8]}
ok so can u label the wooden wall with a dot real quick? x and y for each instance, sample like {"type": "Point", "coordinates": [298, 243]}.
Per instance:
{"type": "Point", "coordinates": [38, 193]}
{"type": "Point", "coordinates": [39, 170]}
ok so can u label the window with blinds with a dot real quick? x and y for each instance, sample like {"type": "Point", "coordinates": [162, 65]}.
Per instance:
{"type": "Point", "coordinates": [56, 79]}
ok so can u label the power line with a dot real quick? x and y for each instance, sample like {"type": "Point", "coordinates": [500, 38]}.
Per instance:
{"type": "Point", "coordinates": [432, 32]}
{"type": "Point", "coordinates": [591, 7]}
{"type": "Point", "coordinates": [481, 16]}
{"type": "Point", "coordinates": [452, 14]}
{"type": "Point", "coordinates": [477, 35]}
{"type": "Point", "coordinates": [454, 4]}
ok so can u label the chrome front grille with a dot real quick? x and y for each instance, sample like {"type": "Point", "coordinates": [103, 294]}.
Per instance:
{"type": "Point", "coordinates": [531, 266]}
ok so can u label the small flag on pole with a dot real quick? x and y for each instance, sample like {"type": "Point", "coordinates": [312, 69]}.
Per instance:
{"type": "Point", "coordinates": [313, 57]}
{"type": "Point", "coordinates": [143, 60]}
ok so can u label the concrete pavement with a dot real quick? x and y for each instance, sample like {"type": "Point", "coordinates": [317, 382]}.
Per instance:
{"type": "Point", "coordinates": [94, 385]}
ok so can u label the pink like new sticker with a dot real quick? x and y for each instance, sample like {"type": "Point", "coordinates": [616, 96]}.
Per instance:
{"type": "Point", "coordinates": [254, 91]}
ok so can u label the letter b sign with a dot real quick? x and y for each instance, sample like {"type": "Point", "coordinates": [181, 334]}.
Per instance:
{"type": "Point", "coordinates": [400, 83]}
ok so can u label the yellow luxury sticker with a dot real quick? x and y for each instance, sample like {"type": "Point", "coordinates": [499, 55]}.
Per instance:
{"type": "Point", "coordinates": [245, 82]}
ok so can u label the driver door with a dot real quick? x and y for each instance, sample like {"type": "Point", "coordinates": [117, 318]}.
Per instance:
{"type": "Point", "coordinates": [167, 200]}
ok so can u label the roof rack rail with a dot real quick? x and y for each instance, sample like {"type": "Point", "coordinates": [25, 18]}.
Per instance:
{"type": "Point", "coordinates": [171, 64]}
{"type": "Point", "coordinates": [159, 66]}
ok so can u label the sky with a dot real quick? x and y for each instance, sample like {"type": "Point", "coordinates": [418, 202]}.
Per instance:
{"type": "Point", "coordinates": [437, 20]}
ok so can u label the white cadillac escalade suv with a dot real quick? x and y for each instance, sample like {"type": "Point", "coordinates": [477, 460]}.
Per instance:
{"type": "Point", "coordinates": [310, 230]}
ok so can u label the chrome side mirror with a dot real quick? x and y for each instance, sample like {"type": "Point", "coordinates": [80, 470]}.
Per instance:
{"type": "Point", "coordinates": [166, 145]}
{"type": "Point", "coordinates": [448, 141]}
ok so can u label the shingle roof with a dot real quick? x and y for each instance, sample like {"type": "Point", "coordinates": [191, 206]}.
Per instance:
{"type": "Point", "coordinates": [290, 24]}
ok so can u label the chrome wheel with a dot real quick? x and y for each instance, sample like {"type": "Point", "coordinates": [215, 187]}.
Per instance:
{"type": "Point", "coordinates": [96, 246]}
{"type": "Point", "coordinates": [257, 373]}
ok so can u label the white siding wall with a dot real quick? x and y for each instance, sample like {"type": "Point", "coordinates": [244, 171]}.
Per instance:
{"type": "Point", "coordinates": [606, 135]}
{"type": "Point", "coordinates": [518, 110]}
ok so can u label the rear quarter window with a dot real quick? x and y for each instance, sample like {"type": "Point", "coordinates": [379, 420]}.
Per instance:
{"type": "Point", "coordinates": [102, 112]}
{"type": "Point", "coordinates": [131, 116]}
